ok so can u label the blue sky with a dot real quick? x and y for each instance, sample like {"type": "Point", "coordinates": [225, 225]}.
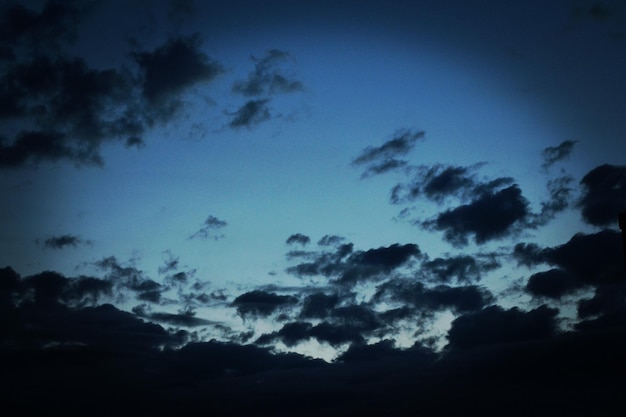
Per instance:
{"type": "Point", "coordinates": [205, 149]}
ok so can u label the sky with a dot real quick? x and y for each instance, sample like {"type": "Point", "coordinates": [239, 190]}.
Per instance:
{"type": "Point", "coordinates": [372, 199]}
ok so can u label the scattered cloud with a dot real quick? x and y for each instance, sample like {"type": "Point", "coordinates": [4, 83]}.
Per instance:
{"type": "Point", "coordinates": [298, 238]}
{"type": "Point", "coordinates": [172, 68]}
{"type": "Point", "coordinates": [62, 241]}
{"type": "Point", "coordinates": [210, 229]}
{"type": "Point", "coordinates": [553, 154]}
{"type": "Point", "coordinates": [464, 268]}
{"type": "Point", "coordinates": [490, 216]}
{"type": "Point", "coordinates": [267, 78]}
{"type": "Point", "coordinates": [184, 319]}
{"type": "Point", "coordinates": [438, 298]}
{"type": "Point", "coordinates": [251, 113]}
{"type": "Point", "coordinates": [381, 159]}
{"type": "Point", "coordinates": [261, 303]}
{"type": "Point", "coordinates": [330, 240]}
{"type": "Point", "coordinates": [347, 267]}
{"type": "Point", "coordinates": [66, 109]}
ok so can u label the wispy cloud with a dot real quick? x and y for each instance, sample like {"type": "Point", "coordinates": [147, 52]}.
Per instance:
{"type": "Point", "coordinates": [553, 154]}
{"type": "Point", "coordinates": [210, 229]}
{"type": "Point", "coordinates": [63, 241]}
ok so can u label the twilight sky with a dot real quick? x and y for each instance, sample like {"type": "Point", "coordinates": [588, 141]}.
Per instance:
{"type": "Point", "coordinates": [240, 191]}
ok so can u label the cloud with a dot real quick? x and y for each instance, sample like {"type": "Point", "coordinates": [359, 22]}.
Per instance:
{"type": "Point", "coordinates": [490, 216]}
{"type": "Point", "coordinates": [494, 325]}
{"type": "Point", "coordinates": [330, 240]}
{"type": "Point", "coordinates": [69, 109]}
{"type": "Point", "coordinates": [298, 238]}
{"type": "Point", "coordinates": [267, 78]}
{"type": "Point", "coordinates": [334, 334]}
{"type": "Point", "coordinates": [261, 303]}
{"type": "Point", "coordinates": [553, 154]}
{"type": "Point", "coordinates": [62, 241]}
{"type": "Point", "coordinates": [347, 267]}
{"type": "Point", "coordinates": [384, 350]}
{"type": "Point", "coordinates": [318, 305]}
{"type": "Point", "coordinates": [554, 283]}
{"type": "Point", "coordinates": [250, 114]}
{"type": "Point", "coordinates": [210, 229]}
{"type": "Point", "coordinates": [604, 195]}
{"type": "Point", "coordinates": [55, 25]}
{"type": "Point", "coordinates": [185, 319]}
{"type": "Point", "coordinates": [383, 158]}
{"type": "Point", "coordinates": [49, 308]}
{"type": "Point", "coordinates": [464, 268]}
{"type": "Point", "coordinates": [440, 182]}
{"type": "Point", "coordinates": [130, 278]}
{"type": "Point", "coordinates": [171, 264]}
{"type": "Point", "coordinates": [438, 298]}
{"type": "Point", "coordinates": [560, 198]}
{"type": "Point", "coordinates": [202, 360]}
{"type": "Point", "coordinates": [586, 259]}
{"type": "Point", "coordinates": [607, 299]}
{"type": "Point", "coordinates": [172, 68]}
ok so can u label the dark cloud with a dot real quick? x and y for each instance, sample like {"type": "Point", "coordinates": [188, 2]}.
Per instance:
{"type": "Point", "coordinates": [400, 144]}
{"type": "Point", "coordinates": [440, 182]}
{"type": "Point", "coordinates": [290, 334]}
{"type": "Point", "coordinates": [172, 68]}
{"type": "Point", "coordinates": [59, 242]}
{"type": "Point", "coordinates": [604, 195]}
{"type": "Point", "coordinates": [384, 350]}
{"type": "Point", "coordinates": [491, 216]}
{"type": "Point", "coordinates": [261, 303]}
{"type": "Point", "coordinates": [384, 158]}
{"type": "Point", "coordinates": [494, 325]}
{"type": "Point", "coordinates": [267, 78]}
{"type": "Point", "coordinates": [553, 154]}
{"type": "Point", "coordinates": [384, 167]}
{"type": "Point", "coordinates": [347, 267]}
{"type": "Point", "coordinates": [592, 259]}
{"type": "Point", "coordinates": [608, 300]}
{"type": "Point", "coordinates": [438, 298]}
{"type": "Point", "coordinates": [334, 334]}
{"type": "Point", "coordinates": [24, 29]}
{"type": "Point", "coordinates": [298, 238]}
{"type": "Point", "coordinates": [318, 305]}
{"type": "Point", "coordinates": [443, 181]}
{"type": "Point", "coordinates": [210, 229]}
{"type": "Point", "coordinates": [202, 360]}
{"type": "Point", "coordinates": [68, 109]}
{"type": "Point", "coordinates": [250, 114]}
{"type": "Point", "coordinates": [387, 258]}
{"type": "Point", "coordinates": [528, 254]}
{"type": "Point", "coordinates": [464, 268]}
{"type": "Point", "coordinates": [330, 240]}
{"type": "Point", "coordinates": [358, 316]}
{"type": "Point", "coordinates": [49, 308]}
{"type": "Point", "coordinates": [130, 278]}
{"type": "Point", "coordinates": [152, 296]}
{"type": "Point", "coordinates": [184, 319]}
{"type": "Point", "coordinates": [554, 283]}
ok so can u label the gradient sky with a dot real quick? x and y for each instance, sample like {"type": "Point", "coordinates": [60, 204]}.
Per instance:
{"type": "Point", "coordinates": [314, 177]}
